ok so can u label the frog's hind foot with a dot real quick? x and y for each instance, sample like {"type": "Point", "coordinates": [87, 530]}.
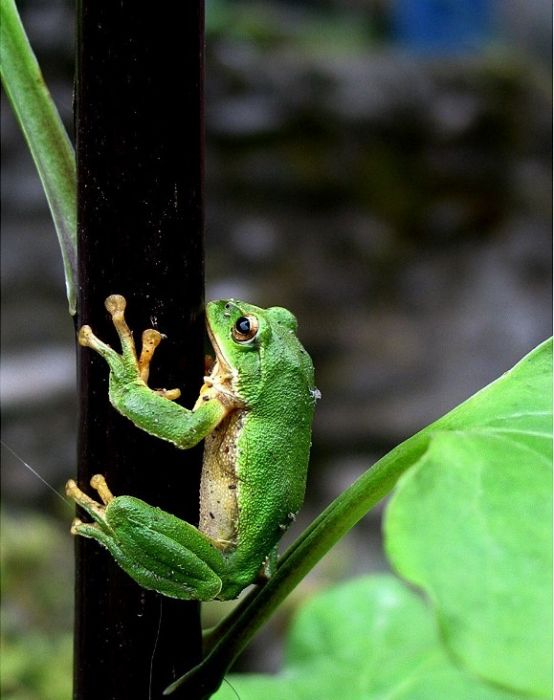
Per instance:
{"type": "Point", "coordinates": [98, 483]}
{"type": "Point", "coordinates": [82, 499]}
{"type": "Point", "coordinates": [99, 529]}
{"type": "Point", "coordinates": [92, 507]}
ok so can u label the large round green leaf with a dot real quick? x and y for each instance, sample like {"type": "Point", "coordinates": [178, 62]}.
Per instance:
{"type": "Point", "coordinates": [471, 524]}
{"type": "Point", "coordinates": [368, 639]}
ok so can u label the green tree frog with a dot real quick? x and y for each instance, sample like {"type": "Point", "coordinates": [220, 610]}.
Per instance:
{"type": "Point", "coordinates": [254, 412]}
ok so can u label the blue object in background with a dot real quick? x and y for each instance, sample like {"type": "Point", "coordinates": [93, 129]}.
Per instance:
{"type": "Point", "coordinates": [441, 26]}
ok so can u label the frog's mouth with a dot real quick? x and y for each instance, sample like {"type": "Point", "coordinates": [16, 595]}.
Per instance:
{"type": "Point", "coordinates": [221, 360]}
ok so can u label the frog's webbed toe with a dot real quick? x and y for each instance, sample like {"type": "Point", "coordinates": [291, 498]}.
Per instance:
{"type": "Point", "coordinates": [99, 529]}
{"type": "Point", "coordinates": [93, 508]}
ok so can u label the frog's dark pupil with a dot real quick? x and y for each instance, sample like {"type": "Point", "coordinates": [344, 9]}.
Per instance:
{"type": "Point", "coordinates": [243, 325]}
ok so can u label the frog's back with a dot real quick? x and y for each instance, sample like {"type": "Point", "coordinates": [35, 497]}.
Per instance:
{"type": "Point", "coordinates": [272, 457]}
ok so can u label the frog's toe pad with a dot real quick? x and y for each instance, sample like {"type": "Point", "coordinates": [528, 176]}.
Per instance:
{"type": "Point", "coordinates": [98, 483]}
{"type": "Point", "coordinates": [75, 526]}
{"type": "Point", "coordinates": [152, 338]}
{"type": "Point", "coordinates": [115, 304]}
{"type": "Point", "coordinates": [86, 337]}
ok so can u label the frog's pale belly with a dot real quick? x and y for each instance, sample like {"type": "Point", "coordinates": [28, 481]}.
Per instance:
{"type": "Point", "coordinates": [218, 488]}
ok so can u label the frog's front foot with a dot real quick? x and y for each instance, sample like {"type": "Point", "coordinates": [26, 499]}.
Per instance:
{"type": "Point", "coordinates": [127, 366]}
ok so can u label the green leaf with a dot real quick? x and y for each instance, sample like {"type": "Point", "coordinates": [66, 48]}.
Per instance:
{"type": "Point", "coordinates": [517, 404]}
{"type": "Point", "coordinates": [471, 524]}
{"type": "Point", "coordinates": [45, 134]}
{"type": "Point", "coordinates": [368, 639]}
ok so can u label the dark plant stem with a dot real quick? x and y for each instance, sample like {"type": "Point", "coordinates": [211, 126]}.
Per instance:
{"type": "Point", "coordinates": [139, 127]}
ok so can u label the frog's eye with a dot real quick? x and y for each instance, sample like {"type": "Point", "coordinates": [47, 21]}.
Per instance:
{"type": "Point", "coordinates": [245, 329]}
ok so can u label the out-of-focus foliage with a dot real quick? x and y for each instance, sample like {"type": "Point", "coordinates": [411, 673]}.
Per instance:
{"type": "Point", "coordinates": [367, 639]}
{"type": "Point", "coordinates": [37, 667]}
{"type": "Point", "coordinates": [270, 25]}
{"type": "Point", "coordinates": [37, 608]}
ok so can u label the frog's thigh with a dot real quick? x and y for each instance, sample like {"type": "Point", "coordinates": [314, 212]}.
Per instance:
{"type": "Point", "coordinates": [143, 576]}
{"type": "Point", "coordinates": [171, 551]}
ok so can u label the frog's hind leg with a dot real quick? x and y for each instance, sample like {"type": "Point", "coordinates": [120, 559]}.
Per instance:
{"type": "Point", "coordinates": [158, 550]}
{"type": "Point", "coordinates": [163, 552]}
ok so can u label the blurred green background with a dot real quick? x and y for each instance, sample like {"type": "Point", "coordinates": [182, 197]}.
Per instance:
{"type": "Point", "coordinates": [383, 169]}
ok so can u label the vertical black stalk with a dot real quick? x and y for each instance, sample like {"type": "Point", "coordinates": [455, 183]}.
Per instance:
{"type": "Point", "coordinates": [139, 126]}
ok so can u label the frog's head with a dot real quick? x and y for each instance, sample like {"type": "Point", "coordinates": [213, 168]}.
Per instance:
{"type": "Point", "coordinates": [256, 346]}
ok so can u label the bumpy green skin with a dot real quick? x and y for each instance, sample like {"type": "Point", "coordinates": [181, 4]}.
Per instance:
{"type": "Point", "coordinates": [271, 381]}
{"type": "Point", "coordinates": [159, 551]}
{"type": "Point", "coordinates": [276, 382]}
